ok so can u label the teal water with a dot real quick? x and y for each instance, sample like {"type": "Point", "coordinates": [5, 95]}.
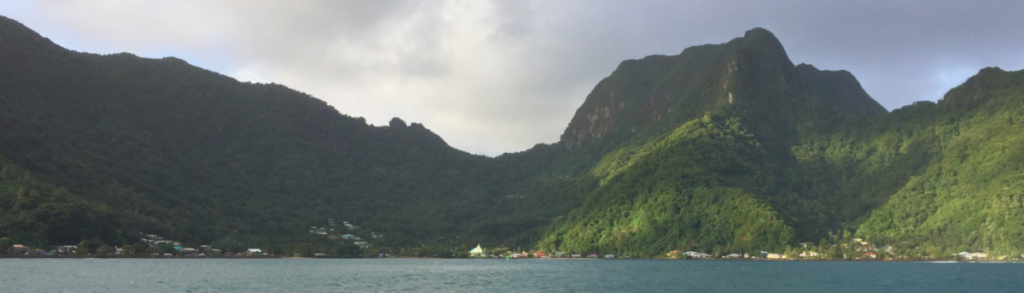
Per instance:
{"type": "Point", "coordinates": [471, 275]}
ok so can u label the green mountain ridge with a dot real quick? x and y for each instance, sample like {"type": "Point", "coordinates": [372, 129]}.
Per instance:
{"type": "Point", "coordinates": [722, 148]}
{"type": "Point", "coordinates": [211, 156]}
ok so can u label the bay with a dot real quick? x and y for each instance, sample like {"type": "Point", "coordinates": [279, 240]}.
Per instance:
{"type": "Point", "coordinates": [488, 275]}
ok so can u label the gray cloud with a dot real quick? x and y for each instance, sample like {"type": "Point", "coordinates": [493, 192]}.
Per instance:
{"type": "Point", "coordinates": [500, 76]}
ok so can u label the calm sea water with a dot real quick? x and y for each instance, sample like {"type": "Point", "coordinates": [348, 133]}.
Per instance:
{"type": "Point", "coordinates": [471, 275]}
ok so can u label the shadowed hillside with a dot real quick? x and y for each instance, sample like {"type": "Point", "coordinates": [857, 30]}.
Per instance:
{"type": "Point", "coordinates": [723, 148]}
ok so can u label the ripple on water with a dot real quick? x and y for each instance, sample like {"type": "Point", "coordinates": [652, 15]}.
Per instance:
{"type": "Point", "coordinates": [444, 275]}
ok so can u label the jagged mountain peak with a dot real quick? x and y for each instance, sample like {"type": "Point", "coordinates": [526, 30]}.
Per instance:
{"type": "Point", "coordinates": [988, 83]}
{"type": "Point", "coordinates": [751, 74]}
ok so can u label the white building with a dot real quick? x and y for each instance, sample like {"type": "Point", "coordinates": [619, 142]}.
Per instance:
{"type": "Point", "coordinates": [694, 254]}
{"type": "Point", "coordinates": [477, 252]}
{"type": "Point", "coordinates": [809, 254]}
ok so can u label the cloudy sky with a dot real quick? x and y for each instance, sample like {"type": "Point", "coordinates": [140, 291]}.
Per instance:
{"type": "Point", "coordinates": [500, 76]}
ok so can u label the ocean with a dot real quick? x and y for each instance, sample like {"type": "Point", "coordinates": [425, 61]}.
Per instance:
{"type": "Point", "coordinates": [493, 275]}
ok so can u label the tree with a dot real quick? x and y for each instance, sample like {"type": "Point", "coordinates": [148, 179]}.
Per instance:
{"type": "Point", "coordinates": [104, 250]}
{"type": "Point", "coordinates": [346, 249]}
{"type": "Point", "coordinates": [128, 249]}
{"type": "Point", "coordinates": [165, 248]}
{"type": "Point", "coordinates": [791, 253]}
{"type": "Point", "coordinates": [304, 250]}
{"type": "Point", "coordinates": [83, 248]}
{"type": "Point", "coordinates": [141, 248]}
{"type": "Point", "coordinates": [5, 244]}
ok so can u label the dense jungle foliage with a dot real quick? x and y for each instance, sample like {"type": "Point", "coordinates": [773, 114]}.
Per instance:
{"type": "Point", "coordinates": [202, 156]}
{"type": "Point", "coordinates": [722, 148]}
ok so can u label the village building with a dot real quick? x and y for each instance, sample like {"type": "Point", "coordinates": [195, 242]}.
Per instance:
{"type": "Point", "coordinates": [540, 255]}
{"type": "Point", "coordinates": [869, 255]}
{"type": "Point", "coordinates": [775, 256]}
{"type": "Point", "coordinates": [318, 231]}
{"type": "Point", "coordinates": [67, 249]}
{"type": "Point", "coordinates": [699, 255]}
{"type": "Point", "coordinates": [349, 225]}
{"type": "Point", "coordinates": [188, 252]}
{"type": "Point", "coordinates": [887, 248]}
{"type": "Point", "coordinates": [979, 256]}
{"type": "Point", "coordinates": [19, 249]}
{"type": "Point", "coordinates": [972, 256]}
{"type": "Point", "coordinates": [809, 254]}
{"type": "Point", "coordinates": [477, 252]}
{"type": "Point", "coordinates": [254, 252]}
{"type": "Point", "coordinates": [575, 256]}
{"type": "Point", "coordinates": [609, 256]}
{"type": "Point", "coordinates": [733, 255]}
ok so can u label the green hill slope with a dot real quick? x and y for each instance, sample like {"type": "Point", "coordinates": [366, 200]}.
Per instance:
{"type": "Point", "coordinates": [680, 192]}
{"type": "Point", "coordinates": [209, 156]}
{"type": "Point", "coordinates": [970, 194]}
{"type": "Point", "coordinates": [748, 81]}
{"type": "Point", "coordinates": [830, 158]}
{"type": "Point", "coordinates": [722, 148]}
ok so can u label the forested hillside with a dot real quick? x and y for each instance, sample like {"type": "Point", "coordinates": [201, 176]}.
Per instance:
{"type": "Point", "coordinates": [723, 148]}
{"type": "Point", "coordinates": [768, 102]}
{"type": "Point", "coordinates": [969, 195]}
{"type": "Point", "coordinates": [798, 154]}
{"type": "Point", "coordinates": [160, 146]}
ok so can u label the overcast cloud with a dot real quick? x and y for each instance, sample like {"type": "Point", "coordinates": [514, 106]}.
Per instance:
{"type": "Point", "coordinates": [500, 76]}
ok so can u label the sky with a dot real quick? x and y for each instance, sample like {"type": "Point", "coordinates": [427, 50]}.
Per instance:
{"type": "Point", "coordinates": [501, 76]}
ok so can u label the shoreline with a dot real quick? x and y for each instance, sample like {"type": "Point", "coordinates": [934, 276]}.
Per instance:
{"type": "Point", "coordinates": [516, 259]}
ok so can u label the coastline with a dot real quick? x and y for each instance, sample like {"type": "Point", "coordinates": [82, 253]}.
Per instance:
{"type": "Point", "coordinates": [939, 261]}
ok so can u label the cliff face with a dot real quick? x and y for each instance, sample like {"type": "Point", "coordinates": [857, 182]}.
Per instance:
{"type": "Point", "coordinates": [750, 74]}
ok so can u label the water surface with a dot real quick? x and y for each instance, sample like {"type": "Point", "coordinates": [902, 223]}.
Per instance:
{"type": "Point", "coordinates": [485, 275]}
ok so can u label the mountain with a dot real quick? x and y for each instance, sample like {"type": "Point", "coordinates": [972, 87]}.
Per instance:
{"type": "Point", "coordinates": [698, 151]}
{"type": "Point", "coordinates": [968, 195]}
{"type": "Point", "coordinates": [723, 148]}
{"type": "Point", "coordinates": [788, 153]}
{"type": "Point", "coordinates": [172, 149]}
